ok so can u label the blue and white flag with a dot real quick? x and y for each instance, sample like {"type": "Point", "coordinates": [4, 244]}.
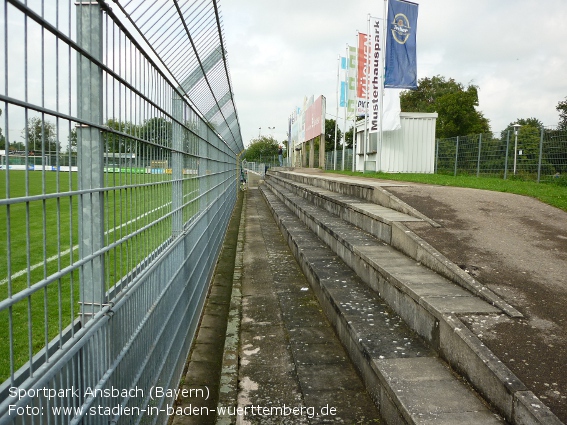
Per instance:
{"type": "Point", "coordinates": [344, 91]}
{"type": "Point", "coordinates": [344, 94]}
{"type": "Point", "coordinates": [401, 68]}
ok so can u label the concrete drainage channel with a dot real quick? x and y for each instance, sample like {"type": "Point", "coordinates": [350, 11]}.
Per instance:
{"type": "Point", "coordinates": [415, 374]}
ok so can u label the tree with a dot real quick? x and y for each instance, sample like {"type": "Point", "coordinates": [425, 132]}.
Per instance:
{"type": "Point", "coordinates": [17, 146]}
{"type": "Point", "coordinates": [330, 136]}
{"type": "Point", "coordinates": [264, 148]}
{"type": "Point", "coordinates": [349, 137]}
{"type": "Point", "coordinates": [529, 135]}
{"type": "Point", "coordinates": [116, 142]}
{"type": "Point", "coordinates": [157, 130]}
{"type": "Point", "coordinates": [40, 133]}
{"type": "Point", "coordinates": [455, 104]}
{"type": "Point", "coordinates": [562, 109]}
{"type": "Point", "coordinates": [72, 146]}
{"type": "Point", "coordinates": [529, 122]}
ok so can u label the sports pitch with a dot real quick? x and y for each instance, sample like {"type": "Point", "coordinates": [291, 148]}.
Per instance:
{"type": "Point", "coordinates": [39, 246]}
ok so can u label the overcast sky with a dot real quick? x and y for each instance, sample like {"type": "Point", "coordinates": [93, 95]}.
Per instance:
{"type": "Point", "coordinates": [279, 51]}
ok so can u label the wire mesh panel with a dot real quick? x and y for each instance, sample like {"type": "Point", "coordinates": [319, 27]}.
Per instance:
{"type": "Point", "coordinates": [530, 153]}
{"type": "Point", "coordinates": [554, 156]}
{"type": "Point", "coordinates": [118, 149]}
{"type": "Point", "coordinates": [342, 158]}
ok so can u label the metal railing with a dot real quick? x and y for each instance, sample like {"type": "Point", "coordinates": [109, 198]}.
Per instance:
{"type": "Point", "coordinates": [119, 153]}
{"type": "Point", "coordinates": [255, 167]}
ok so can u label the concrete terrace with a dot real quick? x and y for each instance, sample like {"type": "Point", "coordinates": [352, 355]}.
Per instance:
{"type": "Point", "coordinates": [326, 308]}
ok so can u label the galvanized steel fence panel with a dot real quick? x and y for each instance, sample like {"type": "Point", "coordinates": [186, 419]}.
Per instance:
{"type": "Point", "coordinates": [531, 154]}
{"type": "Point", "coordinates": [343, 159]}
{"type": "Point", "coordinates": [119, 146]}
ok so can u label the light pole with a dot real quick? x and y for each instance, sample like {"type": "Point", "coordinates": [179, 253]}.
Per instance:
{"type": "Point", "coordinates": [516, 128]}
{"type": "Point", "coordinates": [259, 131]}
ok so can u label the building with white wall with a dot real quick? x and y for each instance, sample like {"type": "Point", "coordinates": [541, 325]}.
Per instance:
{"type": "Point", "coordinates": [411, 149]}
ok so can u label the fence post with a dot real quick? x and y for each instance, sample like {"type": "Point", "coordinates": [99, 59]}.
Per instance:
{"type": "Point", "coordinates": [90, 161]}
{"type": "Point", "coordinates": [506, 156]}
{"type": "Point", "coordinates": [540, 155]}
{"type": "Point", "coordinates": [456, 156]}
{"type": "Point", "coordinates": [436, 156]}
{"type": "Point", "coordinates": [478, 161]}
{"type": "Point", "coordinates": [177, 166]}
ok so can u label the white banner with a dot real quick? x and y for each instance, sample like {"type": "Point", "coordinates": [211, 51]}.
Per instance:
{"type": "Point", "coordinates": [392, 109]}
{"type": "Point", "coordinates": [375, 82]}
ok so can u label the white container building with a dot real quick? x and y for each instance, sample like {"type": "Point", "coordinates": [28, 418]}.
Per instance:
{"type": "Point", "coordinates": [411, 149]}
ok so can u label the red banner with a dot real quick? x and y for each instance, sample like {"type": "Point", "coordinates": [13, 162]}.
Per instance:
{"type": "Point", "coordinates": [363, 56]}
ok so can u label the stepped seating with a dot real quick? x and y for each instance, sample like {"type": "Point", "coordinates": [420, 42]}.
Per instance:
{"type": "Point", "coordinates": [395, 302]}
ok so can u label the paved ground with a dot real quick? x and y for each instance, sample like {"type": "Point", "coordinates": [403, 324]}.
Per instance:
{"type": "Point", "coordinates": [206, 360]}
{"type": "Point", "coordinates": [282, 362]}
{"type": "Point", "coordinates": [289, 353]}
{"type": "Point", "coordinates": [517, 246]}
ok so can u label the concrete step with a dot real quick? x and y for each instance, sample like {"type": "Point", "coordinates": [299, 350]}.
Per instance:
{"type": "Point", "coordinates": [382, 266]}
{"type": "Point", "coordinates": [345, 204]}
{"type": "Point", "coordinates": [387, 224]}
{"type": "Point", "coordinates": [427, 301]}
{"type": "Point", "coordinates": [403, 374]}
{"type": "Point", "coordinates": [361, 188]}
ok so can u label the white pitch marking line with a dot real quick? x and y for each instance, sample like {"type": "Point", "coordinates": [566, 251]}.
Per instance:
{"type": "Point", "coordinates": [67, 251]}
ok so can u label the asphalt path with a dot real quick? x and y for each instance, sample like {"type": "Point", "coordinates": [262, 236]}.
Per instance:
{"type": "Point", "coordinates": [517, 246]}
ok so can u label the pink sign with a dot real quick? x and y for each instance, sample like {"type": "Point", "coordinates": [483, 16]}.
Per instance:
{"type": "Point", "coordinates": [314, 119]}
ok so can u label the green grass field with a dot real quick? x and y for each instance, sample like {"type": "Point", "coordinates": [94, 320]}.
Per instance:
{"type": "Point", "coordinates": [42, 236]}
{"type": "Point", "coordinates": [553, 193]}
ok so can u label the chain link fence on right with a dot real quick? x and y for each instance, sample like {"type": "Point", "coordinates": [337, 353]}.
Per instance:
{"type": "Point", "coordinates": [530, 154]}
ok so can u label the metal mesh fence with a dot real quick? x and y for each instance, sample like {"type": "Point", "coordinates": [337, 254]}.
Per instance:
{"type": "Point", "coordinates": [343, 160]}
{"type": "Point", "coordinates": [119, 141]}
{"type": "Point", "coordinates": [531, 154]}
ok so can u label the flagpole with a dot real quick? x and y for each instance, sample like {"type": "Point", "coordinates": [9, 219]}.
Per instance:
{"type": "Point", "coordinates": [337, 114]}
{"type": "Point", "coordinates": [347, 58]}
{"type": "Point", "coordinates": [366, 99]}
{"type": "Point", "coordinates": [382, 77]}
{"type": "Point", "coordinates": [356, 106]}
{"type": "Point", "coordinates": [289, 147]}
